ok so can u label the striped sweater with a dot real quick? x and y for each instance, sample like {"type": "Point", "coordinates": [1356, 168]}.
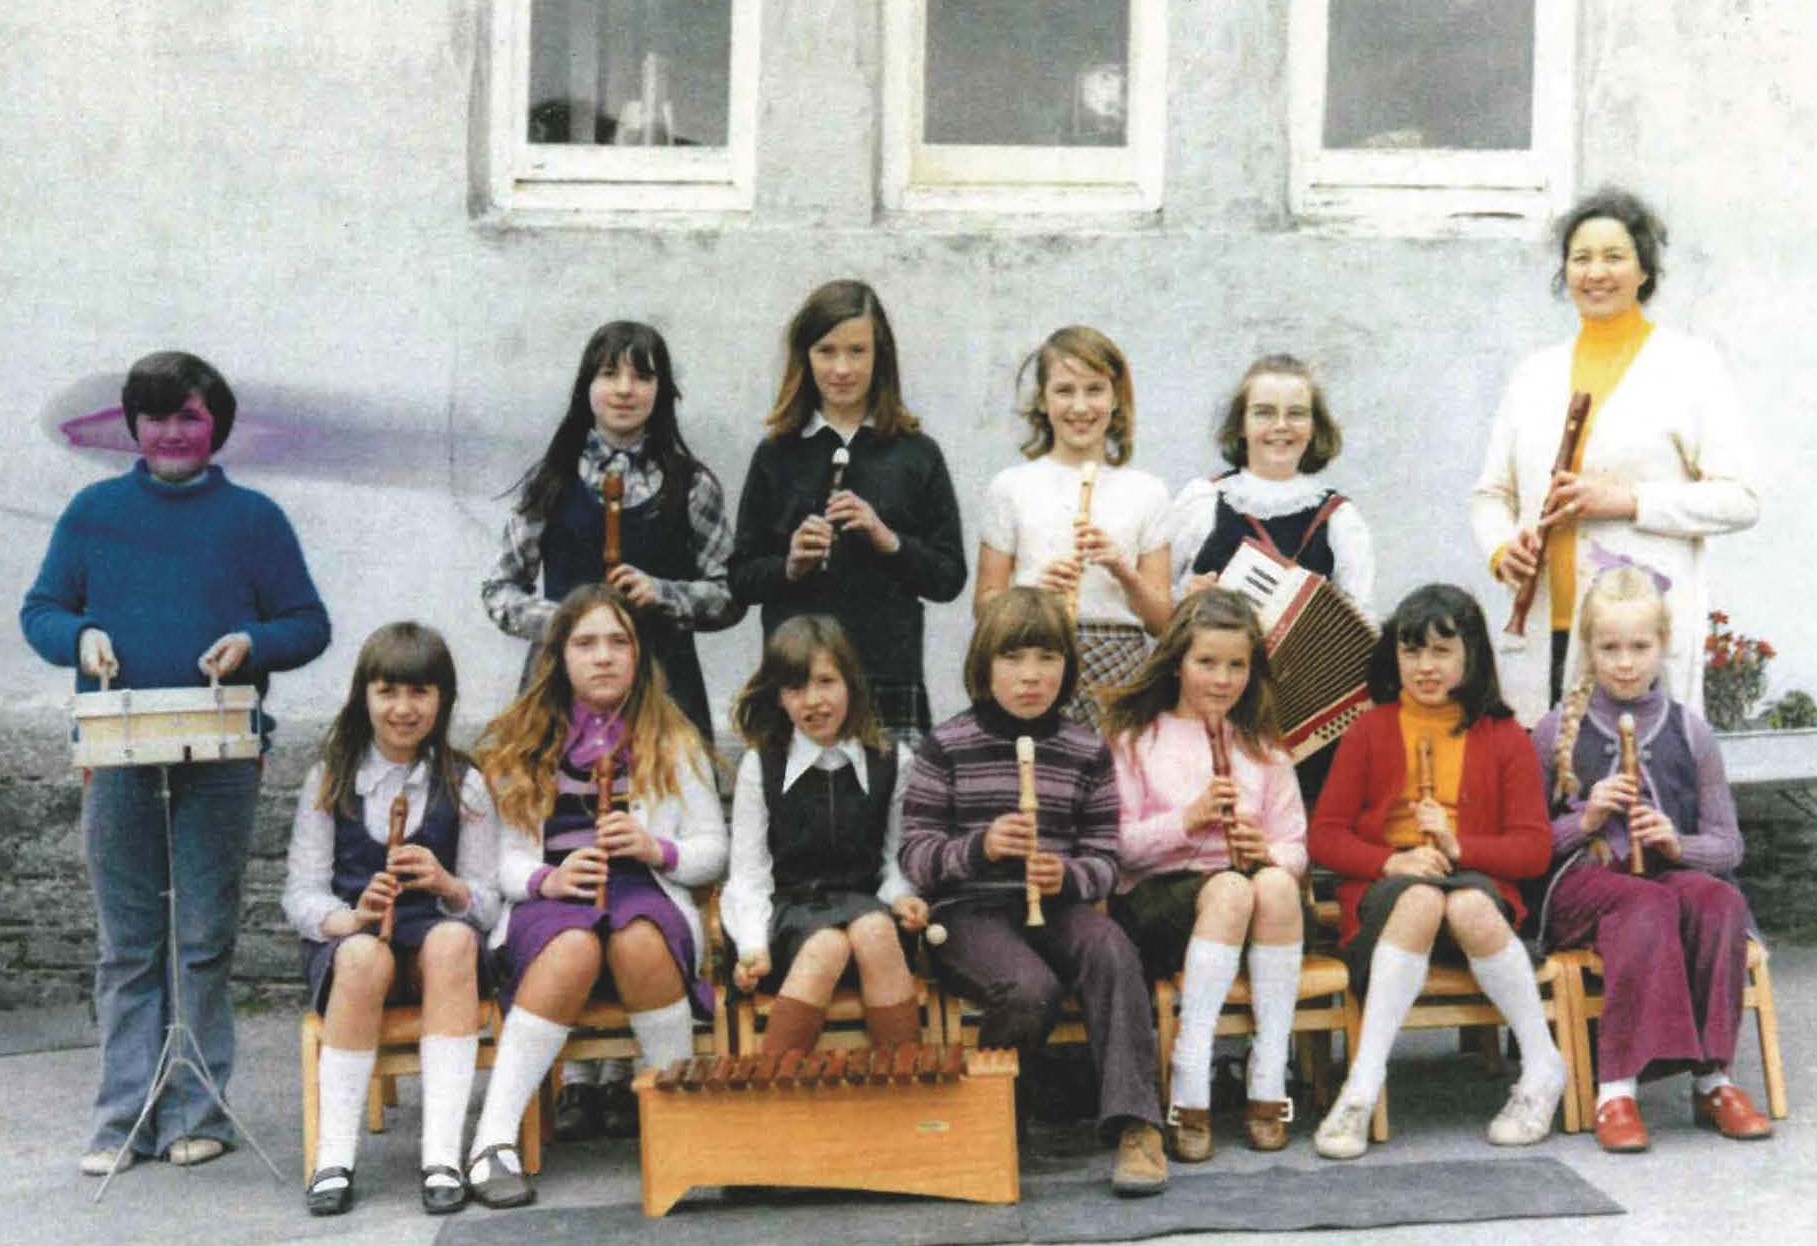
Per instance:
{"type": "Point", "coordinates": [964, 778]}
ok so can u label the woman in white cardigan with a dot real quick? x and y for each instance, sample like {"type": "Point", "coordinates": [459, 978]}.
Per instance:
{"type": "Point", "coordinates": [1663, 461]}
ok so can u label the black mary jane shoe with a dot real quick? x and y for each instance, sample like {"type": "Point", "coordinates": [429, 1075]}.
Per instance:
{"type": "Point", "coordinates": [440, 1199]}
{"type": "Point", "coordinates": [325, 1199]}
{"type": "Point", "coordinates": [501, 1187]}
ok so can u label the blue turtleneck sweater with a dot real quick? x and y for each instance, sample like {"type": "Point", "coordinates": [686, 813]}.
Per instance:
{"type": "Point", "coordinates": [166, 570]}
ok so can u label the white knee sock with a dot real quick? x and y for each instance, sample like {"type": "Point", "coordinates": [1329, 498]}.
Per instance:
{"type": "Point", "coordinates": [664, 1035]}
{"type": "Point", "coordinates": [1395, 979]}
{"type": "Point", "coordinates": [1274, 987]}
{"type": "Point", "coordinates": [447, 1086]}
{"type": "Point", "coordinates": [1507, 979]}
{"type": "Point", "coordinates": [1210, 969]}
{"type": "Point", "coordinates": [526, 1048]}
{"type": "Point", "coordinates": [1620, 1088]}
{"type": "Point", "coordinates": [582, 1072]}
{"type": "Point", "coordinates": [344, 1077]}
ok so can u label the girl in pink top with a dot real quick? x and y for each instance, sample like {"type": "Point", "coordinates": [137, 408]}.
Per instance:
{"type": "Point", "coordinates": [1212, 860]}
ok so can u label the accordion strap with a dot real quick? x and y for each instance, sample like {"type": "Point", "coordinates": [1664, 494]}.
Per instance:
{"type": "Point", "coordinates": [1319, 519]}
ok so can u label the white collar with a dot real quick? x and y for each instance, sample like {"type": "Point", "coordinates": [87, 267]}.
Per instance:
{"type": "Point", "coordinates": [818, 421]}
{"type": "Point", "coordinates": [1250, 494]}
{"type": "Point", "coordinates": [805, 755]}
{"type": "Point", "coordinates": [376, 769]}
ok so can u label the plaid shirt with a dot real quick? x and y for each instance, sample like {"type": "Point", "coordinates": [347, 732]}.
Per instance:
{"type": "Point", "coordinates": [514, 601]}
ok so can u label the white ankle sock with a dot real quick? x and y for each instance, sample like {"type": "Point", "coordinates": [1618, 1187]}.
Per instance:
{"type": "Point", "coordinates": [1507, 979]}
{"type": "Point", "coordinates": [1708, 1083]}
{"type": "Point", "coordinates": [1395, 979]}
{"type": "Point", "coordinates": [664, 1035]}
{"type": "Point", "coordinates": [1274, 987]}
{"type": "Point", "coordinates": [1210, 969]}
{"type": "Point", "coordinates": [614, 1071]}
{"type": "Point", "coordinates": [447, 1086]}
{"type": "Point", "coordinates": [526, 1048]}
{"type": "Point", "coordinates": [582, 1072]}
{"type": "Point", "coordinates": [344, 1077]}
{"type": "Point", "coordinates": [1622, 1088]}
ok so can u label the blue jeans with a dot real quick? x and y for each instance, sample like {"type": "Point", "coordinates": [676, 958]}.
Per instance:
{"type": "Point", "coordinates": [211, 816]}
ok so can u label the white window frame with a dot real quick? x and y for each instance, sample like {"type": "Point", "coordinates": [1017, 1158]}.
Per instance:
{"type": "Point", "coordinates": [944, 177]}
{"type": "Point", "coordinates": [1434, 192]}
{"type": "Point", "coordinates": [528, 181]}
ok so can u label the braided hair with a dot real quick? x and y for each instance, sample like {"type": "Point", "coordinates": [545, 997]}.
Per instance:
{"type": "Point", "coordinates": [1623, 583]}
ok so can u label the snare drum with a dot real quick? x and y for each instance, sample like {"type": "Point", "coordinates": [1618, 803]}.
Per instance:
{"type": "Point", "coordinates": [161, 726]}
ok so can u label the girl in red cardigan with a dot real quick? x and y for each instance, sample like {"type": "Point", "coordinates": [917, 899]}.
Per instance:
{"type": "Point", "coordinates": [1432, 811]}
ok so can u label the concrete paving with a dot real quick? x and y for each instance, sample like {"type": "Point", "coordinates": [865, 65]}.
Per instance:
{"type": "Point", "coordinates": [1692, 1187]}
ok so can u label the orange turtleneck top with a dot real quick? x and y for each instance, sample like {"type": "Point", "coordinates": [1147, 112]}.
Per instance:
{"type": "Point", "coordinates": [1605, 349]}
{"type": "Point", "coordinates": [1440, 726]}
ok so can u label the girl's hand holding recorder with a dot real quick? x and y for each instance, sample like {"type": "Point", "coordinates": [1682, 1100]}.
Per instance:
{"type": "Point", "coordinates": [1425, 861]}
{"type": "Point", "coordinates": [418, 869]}
{"type": "Point", "coordinates": [809, 547]}
{"type": "Point", "coordinates": [578, 877]}
{"type": "Point", "coordinates": [621, 835]}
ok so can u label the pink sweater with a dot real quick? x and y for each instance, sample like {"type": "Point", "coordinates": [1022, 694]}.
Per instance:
{"type": "Point", "coordinates": [1164, 768]}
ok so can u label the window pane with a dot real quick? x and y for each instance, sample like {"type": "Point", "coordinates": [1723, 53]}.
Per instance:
{"type": "Point", "coordinates": [630, 72]}
{"type": "Point", "coordinates": [1430, 73]}
{"type": "Point", "coordinates": [1027, 73]}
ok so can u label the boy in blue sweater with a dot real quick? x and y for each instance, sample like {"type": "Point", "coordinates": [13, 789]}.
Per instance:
{"type": "Point", "coordinates": [161, 578]}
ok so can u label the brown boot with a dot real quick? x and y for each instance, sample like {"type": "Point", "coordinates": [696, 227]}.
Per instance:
{"type": "Point", "coordinates": [1141, 1167]}
{"type": "Point", "coordinates": [1189, 1134]}
{"type": "Point", "coordinates": [888, 1026]}
{"type": "Point", "coordinates": [1266, 1122]}
{"type": "Point", "coordinates": [794, 1025]}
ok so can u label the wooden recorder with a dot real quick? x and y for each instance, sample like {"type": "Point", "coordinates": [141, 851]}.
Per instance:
{"type": "Point", "coordinates": [612, 493]}
{"type": "Point", "coordinates": [1576, 415]}
{"type": "Point", "coordinates": [1029, 803]}
{"type": "Point", "coordinates": [1630, 769]}
{"type": "Point", "coordinates": [1224, 817]}
{"type": "Point", "coordinates": [933, 1120]}
{"type": "Point", "coordinates": [603, 804]}
{"type": "Point", "coordinates": [1088, 477]}
{"type": "Point", "coordinates": [399, 813]}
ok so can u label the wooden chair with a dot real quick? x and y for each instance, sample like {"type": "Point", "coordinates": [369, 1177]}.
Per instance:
{"type": "Point", "coordinates": [1451, 997]}
{"type": "Point", "coordinates": [844, 1019]}
{"type": "Point", "coordinates": [399, 1054]}
{"type": "Point", "coordinates": [1326, 1006]}
{"type": "Point", "coordinates": [1582, 977]}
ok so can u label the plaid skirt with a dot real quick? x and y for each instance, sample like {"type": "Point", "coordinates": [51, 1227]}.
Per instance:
{"type": "Point", "coordinates": [1109, 654]}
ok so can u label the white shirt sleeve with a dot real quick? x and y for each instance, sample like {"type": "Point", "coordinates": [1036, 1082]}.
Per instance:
{"type": "Point", "coordinates": [745, 901]}
{"type": "Point", "coordinates": [476, 853]}
{"type": "Point", "coordinates": [309, 865]}
{"type": "Point", "coordinates": [895, 883]}
{"type": "Point", "coordinates": [997, 518]}
{"type": "Point", "coordinates": [1353, 555]}
{"type": "Point", "coordinates": [1190, 521]}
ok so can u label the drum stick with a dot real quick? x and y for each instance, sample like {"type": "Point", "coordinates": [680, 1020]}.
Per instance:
{"type": "Point", "coordinates": [394, 839]}
{"type": "Point", "coordinates": [1630, 769]}
{"type": "Point", "coordinates": [1030, 803]}
{"type": "Point", "coordinates": [1088, 477]}
{"type": "Point", "coordinates": [612, 493]}
{"type": "Point", "coordinates": [602, 806]}
{"type": "Point", "coordinates": [841, 457]}
{"type": "Point", "coordinates": [1427, 783]}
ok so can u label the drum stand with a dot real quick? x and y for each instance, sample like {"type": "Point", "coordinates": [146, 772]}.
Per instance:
{"type": "Point", "coordinates": [181, 1049]}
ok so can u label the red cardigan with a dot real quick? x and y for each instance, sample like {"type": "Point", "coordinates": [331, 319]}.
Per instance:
{"type": "Point", "coordinates": [1502, 828]}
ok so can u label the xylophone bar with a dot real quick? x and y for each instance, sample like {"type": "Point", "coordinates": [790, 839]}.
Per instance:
{"type": "Point", "coordinates": [862, 1066]}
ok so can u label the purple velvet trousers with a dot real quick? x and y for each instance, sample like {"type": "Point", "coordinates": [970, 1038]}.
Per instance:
{"type": "Point", "coordinates": [1674, 948]}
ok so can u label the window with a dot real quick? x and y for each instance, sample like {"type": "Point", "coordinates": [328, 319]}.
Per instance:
{"type": "Point", "coordinates": [615, 105]}
{"type": "Point", "coordinates": [1024, 105]}
{"type": "Point", "coordinates": [1432, 116]}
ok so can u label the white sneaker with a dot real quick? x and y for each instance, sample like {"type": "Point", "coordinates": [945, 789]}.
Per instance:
{"type": "Point", "coordinates": [1344, 1133]}
{"type": "Point", "coordinates": [100, 1161]}
{"type": "Point", "coordinates": [186, 1151]}
{"type": "Point", "coordinates": [1527, 1116]}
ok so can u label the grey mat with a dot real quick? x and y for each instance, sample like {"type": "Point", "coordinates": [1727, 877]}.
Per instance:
{"type": "Point", "coordinates": [1079, 1209]}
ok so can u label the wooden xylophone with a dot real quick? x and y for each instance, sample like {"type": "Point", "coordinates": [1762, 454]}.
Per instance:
{"type": "Point", "coordinates": [934, 1120]}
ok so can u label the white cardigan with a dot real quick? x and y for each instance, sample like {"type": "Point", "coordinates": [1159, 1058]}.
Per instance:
{"type": "Point", "coordinates": [1672, 429]}
{"type": "Point", "coordinates": [692, 820]}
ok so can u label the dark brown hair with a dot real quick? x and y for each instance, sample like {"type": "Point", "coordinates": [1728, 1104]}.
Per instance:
{"type": "Point", "coordinates": [1327, 438]}
{"type": "Point", "coordinates": [1020, 618]}
{"type": "Point", "coordinates": [788, 655]}
{"type": "Point", "coordinates": [825, 310]}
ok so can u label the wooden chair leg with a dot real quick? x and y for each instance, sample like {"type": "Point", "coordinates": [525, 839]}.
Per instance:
{"type": "Point", "coordinates": [1167, 1029]}
{"type": "Point", "coordinates": [530, 1132]}
{"type": "Point", "coordinates": [390, 1090]}
{"type": "Point", "coordinates": [1766, 1021]}
{"type": "Point", "coordinates": [311, 1044]}
{"type": "Point", "coordinates": [375, 1105]}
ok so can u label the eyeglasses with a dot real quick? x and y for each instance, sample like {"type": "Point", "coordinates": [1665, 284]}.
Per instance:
{"type": "Point", "coordinates": [1294, 417]}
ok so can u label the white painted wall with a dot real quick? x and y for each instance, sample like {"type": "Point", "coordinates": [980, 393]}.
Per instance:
{"type": "Point", "coordinates": [285, 189]}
